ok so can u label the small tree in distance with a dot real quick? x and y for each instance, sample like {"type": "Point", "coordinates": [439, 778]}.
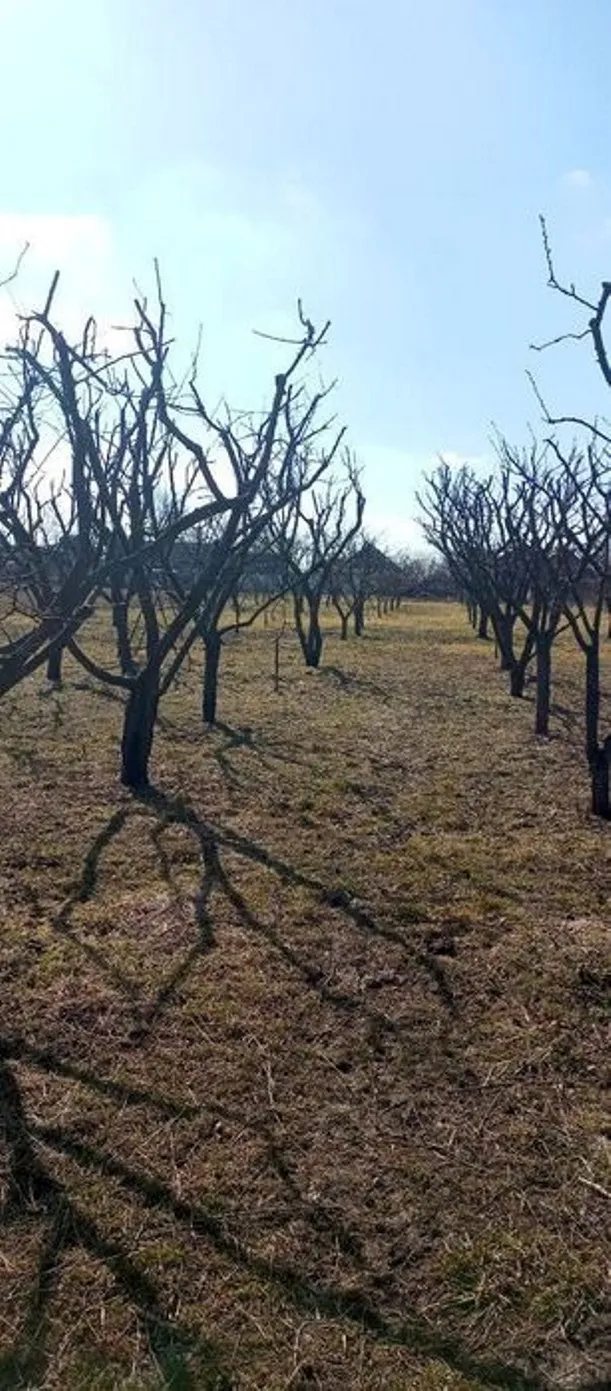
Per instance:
{"type": "Point", "coordinates": [310, 539]}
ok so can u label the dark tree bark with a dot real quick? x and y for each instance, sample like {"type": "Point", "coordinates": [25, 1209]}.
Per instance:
{"type": "Point", "coordinates": [517, 679]}
{"type": "Point", "coordinates": [54, 664]}
{"type": "Point", "coordinates": [504, 634]}
{"type": "Point", "coordinates": [344, 611]}
{"type": "Point", "coordinates": [212, 647]}
{"type": "Point", "coordinates": [482, 627]}
{"type": "Point", "coordinates": [309, 630]}
{"type": "Point", "coordinates": [121, 627]}
{"type": "Point", "coordinates": [359, 617]}
{"type": "Point", "coordinates": [592, 709]}
{"type": "Point", "coordinates": [138, 730]}
{"type": "Point", "coordinates": [599, 771]}
{"type": "Point", "coordinates": [544, 673]}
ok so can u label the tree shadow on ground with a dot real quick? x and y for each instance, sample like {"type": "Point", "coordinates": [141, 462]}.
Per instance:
{"type": "Point", "coordinates": [349, 681]}
{"type": "Point", "coordinates": [35, 1194]}
{"type": "Point", "coordinates": [185, 1359]}
{"type": "Point", "coordinates": [210, 841]}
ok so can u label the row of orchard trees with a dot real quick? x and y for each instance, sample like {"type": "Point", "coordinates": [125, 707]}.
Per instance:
{"type": "Point", "coordinates": [123, 494]}
{"type": "Point", "coordinates": [529, 548]}
{"type": "Point", "coordinates": [111, 472]}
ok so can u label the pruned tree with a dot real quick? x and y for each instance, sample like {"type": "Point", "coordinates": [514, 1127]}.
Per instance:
{"type": "Point", "coordinates": [584, 517]}
{"type": "Point", "coordinates": [352, 582]}
{"type": "Point", "coordinates": [581, 499]}
{"type": "Point", "coordinates": [531, 494]}
{"type": "Point", "coordinates": [239, 472]}
{"type": "Point", "coordinates": [596, 310]}
{"type": "Point", "coordinates": [310, 539]}
{"type": "Point", "coordinates": [222, 610]}
{"type": "Point", "coordinates": [475, 525]}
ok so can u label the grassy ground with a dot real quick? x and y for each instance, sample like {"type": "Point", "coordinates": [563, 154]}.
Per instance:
{"type": "Point", "coordinates": [301, 1058]}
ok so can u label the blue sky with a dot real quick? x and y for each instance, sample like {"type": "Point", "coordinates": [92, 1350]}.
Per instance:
{"type": "Point", "coordinates": [386, 161]}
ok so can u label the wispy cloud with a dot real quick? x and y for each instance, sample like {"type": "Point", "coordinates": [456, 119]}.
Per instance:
{"type": "Point", "coordinates": [80, 246]}
{"type": "Point", "coordinates": [577, 178]}
{"type": "Point", "coordinates": [395, 533]}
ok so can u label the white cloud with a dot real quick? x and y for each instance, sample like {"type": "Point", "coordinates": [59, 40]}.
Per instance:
{"type": "Point", "coordinates": [577, 178]}
{"type": "Point", "coordinates": [395, 533]}
{"type": "Point", "coordinates": [80, 246]}
{"type": "Point", "coordinates": [454, 459]}
{"type": "Point", "coordinates": [54, 236]}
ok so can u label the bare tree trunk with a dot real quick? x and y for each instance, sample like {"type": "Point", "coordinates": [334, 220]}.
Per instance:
{"type": "Point", "coordinates": [482, 627]}
{"type": "Point", "coordinates": [544, 673]}
{"type": "Point", "coordinates": [314, 640]}
{"type": "Point", "coordinates": [138, 730]}
{"type": "Point", "coordinates": [517, 678]}
{"type": "Point", "coordinates": [344, 619]}
{"type": "Point", "coordinates": [121, 627]}
{"type": "Point", "coordinates": [592, 701]}
{"type": "Point", "coordinates": [359, 618]}
{"type": "Point", "coordinates": [212, 648]}
{"type": "Point", "coordinates": [54, 664]}
{"type": "Point", "coordinates": [599, 771]}
{"type": "Point", "coordinates": [311, 637]}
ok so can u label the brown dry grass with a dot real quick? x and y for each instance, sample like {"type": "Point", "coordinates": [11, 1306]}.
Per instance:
{"type": "Point", "coordinates": [302, 1057]}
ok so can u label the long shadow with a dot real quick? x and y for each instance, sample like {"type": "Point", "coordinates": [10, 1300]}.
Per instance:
{"type": "Point", "coordinates": [307, 1294]}
{"type": "Point", "coordinates": [174, 1343]}
{"type": "Point", "coordinates": [350, 682]}
{"type": "Point", "coordinates": [215, 877]}
{"type": "Point", "coordinates": [33, 1191]}
{"type": "Point", "coordinates": [17, 1050]}
{"type": "Point", "coordinates": [244, 738]}
{"type": "Point", "coordinates": [83, 892]}
{"type": "Point", "coordinates": [176, 809]}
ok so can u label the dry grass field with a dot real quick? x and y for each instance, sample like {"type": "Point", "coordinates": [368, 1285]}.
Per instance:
{"type": "Point", "coordinates": [302, 1055]}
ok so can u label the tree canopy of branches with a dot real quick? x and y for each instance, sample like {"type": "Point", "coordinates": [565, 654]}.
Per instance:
{"type": "Point", "coordinates": [311, 537]}
{"type": "Point", "coordinates": [148, 468]}
{"type": "Point", "coordinates": [530, 545]}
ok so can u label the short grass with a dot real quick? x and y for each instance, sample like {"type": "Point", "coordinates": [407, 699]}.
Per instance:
{"type": "Point", "coordinates": [302, 1056]}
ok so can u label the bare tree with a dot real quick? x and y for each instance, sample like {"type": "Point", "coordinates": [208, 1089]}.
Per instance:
{"type": "Point", "coordinates": [310, 540]}
{"type": "Point", "coordinates": [534, 495]}
{"type": "Point", "coordinates": [352, 582]}
{"type": "Point", "coordinates": [222, 611]}
{"type": "Point", "coordinates": [581, 499]}
{"type": "Point", "coordinates": [475, 525]}
{"type": "Point", "coordinates": [594, 330]}
{"type": "Point", "coordinates": [51, 533]}
{"type": "Point", "coordinates": [240, 471]}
